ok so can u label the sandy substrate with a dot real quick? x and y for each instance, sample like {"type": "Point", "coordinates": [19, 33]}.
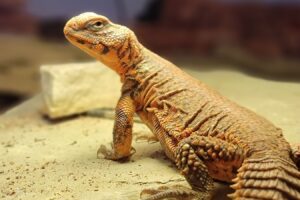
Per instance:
{"type": "Point", "coordinates": [42, 159]}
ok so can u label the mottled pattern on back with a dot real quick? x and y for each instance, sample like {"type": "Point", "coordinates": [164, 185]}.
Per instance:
{"type": "Point", "coordinates": [184, 105]}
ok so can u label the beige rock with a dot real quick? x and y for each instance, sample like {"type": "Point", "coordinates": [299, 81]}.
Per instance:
{"type": "Point", "coordinates": [70, 89]}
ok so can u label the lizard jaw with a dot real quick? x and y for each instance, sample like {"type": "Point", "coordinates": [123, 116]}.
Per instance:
{"type": "Point", "coordinates": [75, 38]}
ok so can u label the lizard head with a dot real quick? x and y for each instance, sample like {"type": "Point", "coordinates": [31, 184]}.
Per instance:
{"type": "Point", "coordinates": [114, 45]}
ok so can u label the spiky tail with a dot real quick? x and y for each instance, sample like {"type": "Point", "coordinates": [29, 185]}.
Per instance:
{"type": "Point", "coordinates": [267, 177]}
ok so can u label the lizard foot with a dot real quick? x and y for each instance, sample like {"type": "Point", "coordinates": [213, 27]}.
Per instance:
{"type": "Point", "coordinates": [110, 154]}
{"type": "Point", "coordinates": [140, 137]}
{"type": "Point", "coordinates": [174, 192]}
{"type": "Point", "coordinates": [296, 154]}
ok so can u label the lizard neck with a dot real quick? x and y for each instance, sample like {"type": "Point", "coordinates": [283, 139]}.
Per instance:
{"type": "Point", "coordinates": [129, 57]}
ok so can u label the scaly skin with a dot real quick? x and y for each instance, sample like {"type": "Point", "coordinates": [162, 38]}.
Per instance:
{"type": "Point", "coordinates": [206, 135]}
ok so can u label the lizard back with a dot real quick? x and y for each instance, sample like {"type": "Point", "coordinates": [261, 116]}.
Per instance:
{"type": "Point", "coordinates": [183, 105]}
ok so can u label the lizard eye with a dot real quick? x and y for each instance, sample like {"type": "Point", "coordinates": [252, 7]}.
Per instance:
{"type": "Point", "coordinates": [98, 24]}
{"type": "Point", "coordinates": [95, 26]}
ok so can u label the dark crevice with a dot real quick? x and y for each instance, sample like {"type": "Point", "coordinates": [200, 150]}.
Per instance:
{"type": "Point", "coordinates": [8, 100]}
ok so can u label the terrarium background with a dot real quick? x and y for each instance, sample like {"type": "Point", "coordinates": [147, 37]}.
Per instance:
{"type": "Point", "coordinates": [261, 38]}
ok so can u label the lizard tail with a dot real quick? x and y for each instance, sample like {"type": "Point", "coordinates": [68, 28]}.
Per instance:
{"type": "Point", "coordinates": [267, 177]}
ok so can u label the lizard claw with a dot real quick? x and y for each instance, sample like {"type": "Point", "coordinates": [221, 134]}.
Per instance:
{"type": "Point", "coordinates": [110, 154]}
{"type": "Point", "coordinates": [171, 192]}
{"type": "Point", "coordinates": [104, 152]}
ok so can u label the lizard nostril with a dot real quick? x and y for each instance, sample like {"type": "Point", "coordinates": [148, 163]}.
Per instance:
{"type": "Point", "coordinates": [70, 26]}
{"type": "Point", "coordinates": [72, 23]}
{"type": "Point", "coordinates": [74, 26]}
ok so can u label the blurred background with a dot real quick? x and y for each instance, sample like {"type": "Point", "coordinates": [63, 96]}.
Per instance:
{"type": "Point", "coordinates": [261, 38]}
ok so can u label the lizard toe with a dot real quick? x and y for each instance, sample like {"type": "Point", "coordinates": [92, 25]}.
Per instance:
{"type": "Point", "coordinates": [171, 192]}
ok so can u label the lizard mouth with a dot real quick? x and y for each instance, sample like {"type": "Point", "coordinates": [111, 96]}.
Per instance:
{"type": "Point", "coordinates": [76, 38]}
{"type": "Point", "coordinates": [84, 43]}
{"type": "Point", "coordinates": [71, 35]}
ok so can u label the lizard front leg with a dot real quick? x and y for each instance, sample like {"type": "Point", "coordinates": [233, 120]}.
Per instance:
{"type": "Point", "coordinates": [122, 132]}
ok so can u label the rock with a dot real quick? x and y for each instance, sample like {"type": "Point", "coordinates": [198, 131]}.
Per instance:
{"type": "Point", "coordinates": [70, 89]}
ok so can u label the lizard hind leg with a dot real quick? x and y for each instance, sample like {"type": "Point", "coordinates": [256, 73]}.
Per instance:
{"type": "Point", "coordinates": [195, 172]}
{"type": "Point", "coordinates": [193, 168]}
